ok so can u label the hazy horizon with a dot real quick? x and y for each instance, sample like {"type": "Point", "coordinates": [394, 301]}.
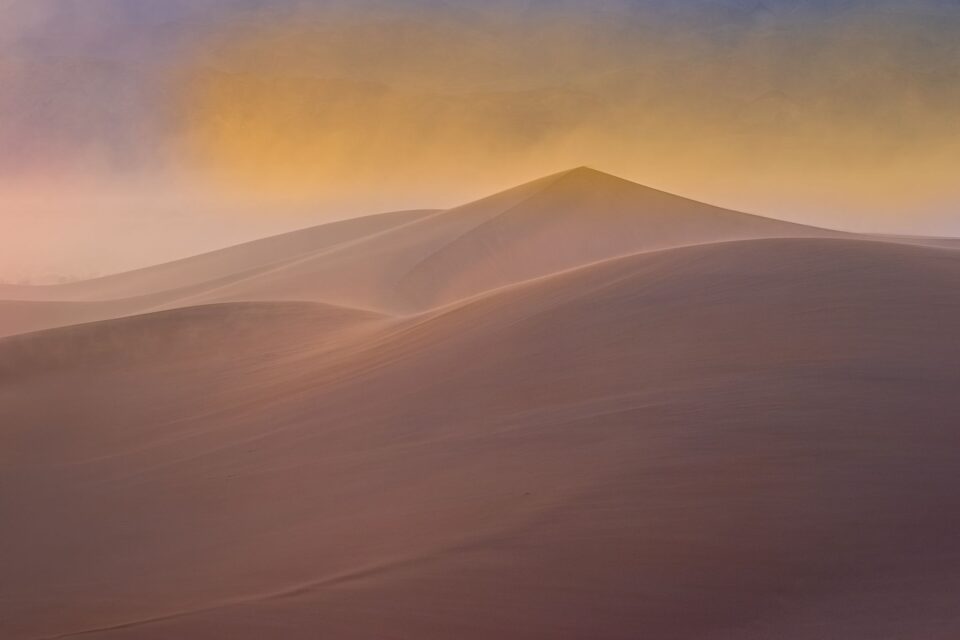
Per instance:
{"type": "Point", "coordinates": [132, 133]}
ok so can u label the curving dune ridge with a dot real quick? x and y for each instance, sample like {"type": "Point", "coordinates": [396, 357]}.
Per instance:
{"type": "Point", "coordinates": [24, 309]}
{"type": "Point", "coordinates": [731, 428]}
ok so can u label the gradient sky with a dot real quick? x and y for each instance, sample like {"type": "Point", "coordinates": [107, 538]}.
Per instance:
{"type": "Point", "coordinates": [133, 131]}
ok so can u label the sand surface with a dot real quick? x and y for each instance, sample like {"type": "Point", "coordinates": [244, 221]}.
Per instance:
{"type": "Point", "coordinates": [732, 428]}
{"type": "Point", "coordinates": [408, 262]}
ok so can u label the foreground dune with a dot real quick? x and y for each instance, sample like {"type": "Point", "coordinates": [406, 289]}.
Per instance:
{"type": "Point", "coordinates": [739, 440]}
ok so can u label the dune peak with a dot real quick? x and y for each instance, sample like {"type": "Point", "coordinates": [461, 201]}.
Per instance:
{"type": "Point", "coordinates": [587, 176]}
{"type": "Point", "coordinates": [586, 182]}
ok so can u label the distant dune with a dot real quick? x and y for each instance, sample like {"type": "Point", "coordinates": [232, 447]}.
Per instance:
{"type": "Point", "coordinates": [36, 308]}
{"type": "Point", "coordinates": [559, 222]}
{"type": "Point", "coordinates": [577, 409]}
{"type": "Point", "coordinates": [408, 262]}
{"type": "Point", "coordinates": [232, 261]}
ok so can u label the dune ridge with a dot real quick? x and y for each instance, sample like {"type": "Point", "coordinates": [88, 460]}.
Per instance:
{"type": "Point", "coordinates": [406, 262]}
{"type": "Point", "coordinates": [505, 238]}
{"type": "Point", "coordinates": [218, 264]}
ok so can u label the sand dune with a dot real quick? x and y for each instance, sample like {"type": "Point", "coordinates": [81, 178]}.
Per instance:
{"type": "Point", "coordinates": [738, 440]}
{"type": "Point", "coordinates": [218, 264]}
{"type": "Point", "coordinates": [559, 222]}
{"type": "Point", "coordinates": [193, 333]}
{"type": "Point", "coordinates": [21, 316]}
{"type": "Point", "coordinates": [24, 309]}
{"type": "Point", "coordinates": [408, 262]}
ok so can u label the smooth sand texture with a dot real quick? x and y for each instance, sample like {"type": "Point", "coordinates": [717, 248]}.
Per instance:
{"type": "Point", "coordinates": [24, 309]}
{"type": "Point", "coordinates": [734, 440]}
{"type": "Point", "coordinates": [218, 264]}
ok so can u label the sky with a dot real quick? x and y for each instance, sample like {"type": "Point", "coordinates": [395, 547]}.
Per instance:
{"type": "Point", "coordinates": [135, 131]}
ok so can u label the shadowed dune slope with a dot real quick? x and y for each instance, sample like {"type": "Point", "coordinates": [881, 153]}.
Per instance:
{"type": "Point", "coordinates": [737, 441]}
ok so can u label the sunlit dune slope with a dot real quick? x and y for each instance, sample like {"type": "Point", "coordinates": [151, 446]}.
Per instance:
{"type": "Point", "coordinates": [739, 441]}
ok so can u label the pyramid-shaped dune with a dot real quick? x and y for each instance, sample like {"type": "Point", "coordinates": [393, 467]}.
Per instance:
{"type": "Point", "coordinates": [556, 223]}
